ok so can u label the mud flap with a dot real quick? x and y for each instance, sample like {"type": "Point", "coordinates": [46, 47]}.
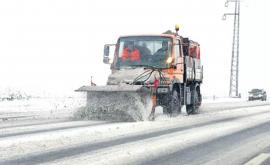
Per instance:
{"type": "Point", "coordinates": [184, 110]}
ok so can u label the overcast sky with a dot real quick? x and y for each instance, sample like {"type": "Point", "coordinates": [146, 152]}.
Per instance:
{"type": "Point", "coordinates": [56, 45]}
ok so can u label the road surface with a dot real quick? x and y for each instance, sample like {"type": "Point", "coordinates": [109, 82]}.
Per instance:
{"type": "Point", "coordinates": [223, 133]}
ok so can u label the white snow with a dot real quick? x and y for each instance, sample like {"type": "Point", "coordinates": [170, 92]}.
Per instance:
{"type": "Point", "coordinates": [36, 136]}
{"type": "Point", "coordinates": [143, 150]}
{"type": "Point", "coordinates": [37, 108]}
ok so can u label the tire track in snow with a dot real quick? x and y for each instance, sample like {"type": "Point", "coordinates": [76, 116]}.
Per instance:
{"type": "Point", "coordinates": [52, 155]}
{"type": "Point", "coordinates": [205, 109]}
{"type": "Point", "coordinates": [58, 128]}
{"type": "Point", "coordinates": [204, 152]}
{"type": "Point", "coordinates": [33, 124]}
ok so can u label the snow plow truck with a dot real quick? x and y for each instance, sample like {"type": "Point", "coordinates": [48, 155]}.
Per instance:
{"type": "Point", "coordinates": [148, 71]}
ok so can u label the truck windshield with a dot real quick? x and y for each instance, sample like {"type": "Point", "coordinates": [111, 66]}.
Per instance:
{"type": "Point", "coordinates": [143, 51]}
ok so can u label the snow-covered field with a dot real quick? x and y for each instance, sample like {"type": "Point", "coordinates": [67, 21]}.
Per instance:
{"type": "Point", "coordinates": [43, 131]}
{"type": "Point", "coordinates": [40, 108]}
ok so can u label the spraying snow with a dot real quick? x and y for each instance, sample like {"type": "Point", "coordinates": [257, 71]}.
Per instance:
{"type": "Point", "coordinates": [116, 106]}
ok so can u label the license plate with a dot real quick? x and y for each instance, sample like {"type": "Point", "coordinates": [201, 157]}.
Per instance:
{"type": "Point", "coordinates": [162, 90]}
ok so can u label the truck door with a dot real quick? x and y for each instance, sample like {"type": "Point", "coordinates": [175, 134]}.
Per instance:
{"type": "Point", "coordinates": [179, 62]}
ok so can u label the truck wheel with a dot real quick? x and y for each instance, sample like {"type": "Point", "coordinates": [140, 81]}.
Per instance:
{"type": "Point", "coordinates": [175, 104]}
{"type": "Point", "coordinates": [174, 107]}
{"type": "Point", "coordinates": [194, 108]}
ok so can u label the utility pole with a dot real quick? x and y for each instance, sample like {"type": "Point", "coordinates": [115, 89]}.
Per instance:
{"type": "Point", "coordinates": [235, 48]}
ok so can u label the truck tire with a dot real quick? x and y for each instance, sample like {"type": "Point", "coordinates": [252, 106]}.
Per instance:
{"type": "Point", "coordinates": [175, 103]}
{"type": "Point", "coordinates": [174, 107]}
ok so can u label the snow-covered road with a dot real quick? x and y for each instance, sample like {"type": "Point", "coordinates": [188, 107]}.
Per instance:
{"type": "Point", "coordinates": [223, 133]}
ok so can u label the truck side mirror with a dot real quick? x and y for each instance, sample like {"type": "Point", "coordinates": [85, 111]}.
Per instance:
{"type": "Point", "coordinates": [106, 53]}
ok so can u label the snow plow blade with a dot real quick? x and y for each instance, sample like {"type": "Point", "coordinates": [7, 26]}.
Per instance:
{"type": "Point", "coordinates": [117, 103]}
